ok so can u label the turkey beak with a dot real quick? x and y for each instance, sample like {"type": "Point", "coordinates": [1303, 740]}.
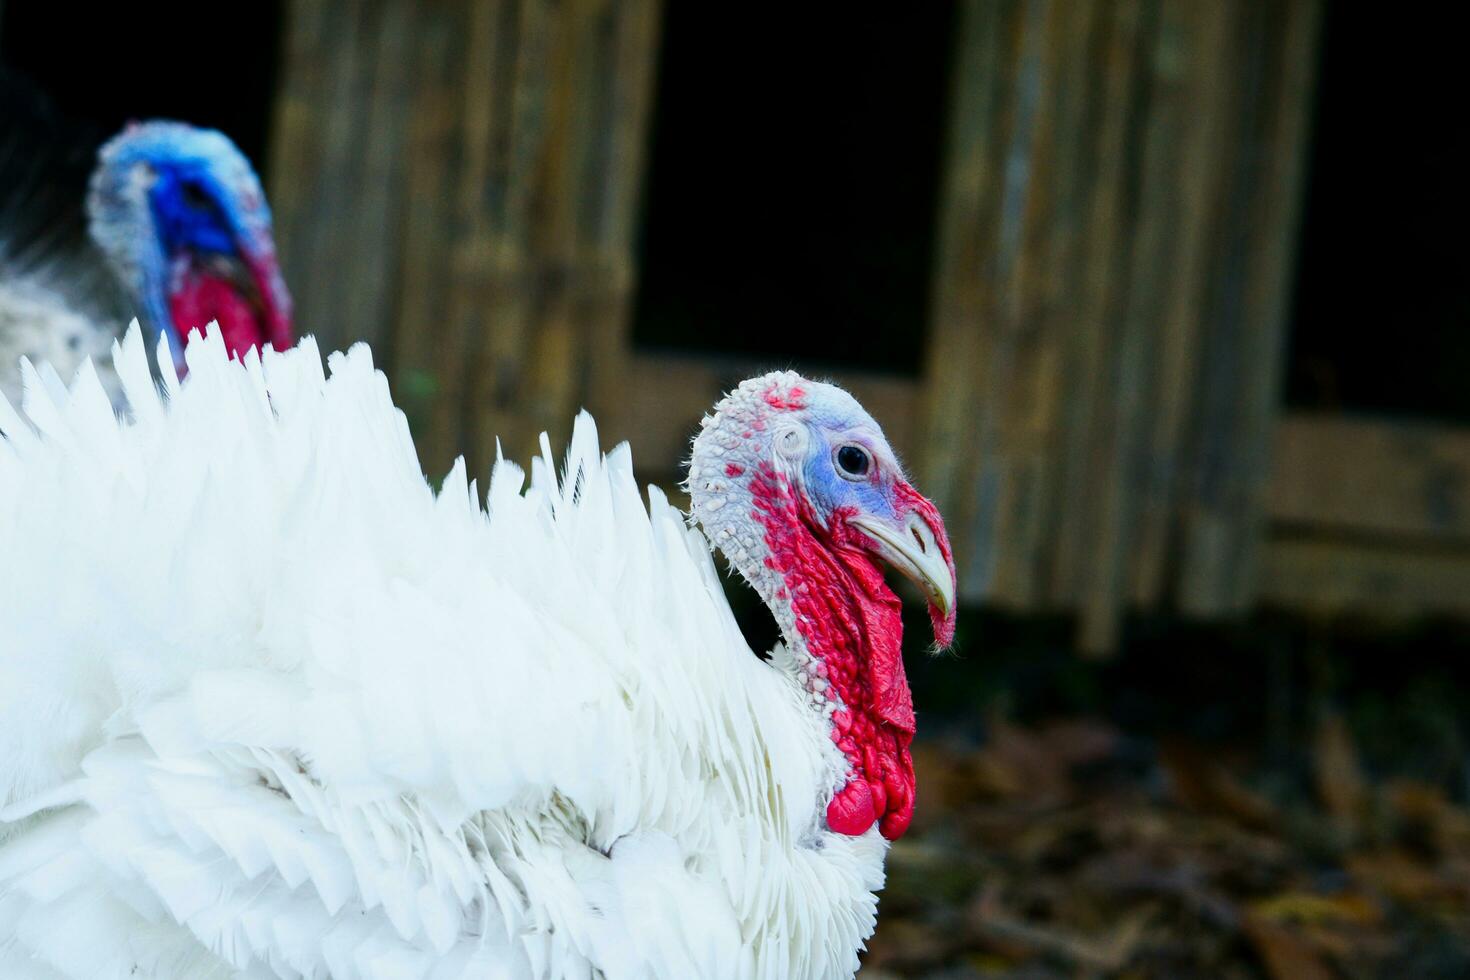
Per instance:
{"type": "Point", "coordinates": [913, 550]}
{"type": "Point", "coordinates": [918, 548]}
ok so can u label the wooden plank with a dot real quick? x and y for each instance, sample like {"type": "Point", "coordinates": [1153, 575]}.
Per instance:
{"type": "Point", "coordinates": [1333, 578]}
{"type": "Point", "coordinates": [619, 176]}
{"type": "Point", "coordinates": [333, 173]}
{"type": "Point", "coordinates": [988, 265]}
{"type": "Point", "coordinates": [1239, 398]}
{"type": "Point", "coordinates": [331, 197]}
{"type": "Point", "coordinates": [574, 170]}
{"type": "Point", "coordinates": [457, 181]}
{"type": "Point", "coordinates": [1161, 120]}
{"type": "Point", "coordinates": [1087, 369]}
{"type": "Point", "coordinates": [294, 155]}
{"type": "Point", "coordinates": [429, 347]}
{"type": "Point", "coordinates": [953, 357]}
{"type": "Point", "coordinates": [966, 366]}
{"type": "Point", "coordinates": [550, 187]}
{"type": "Point", "coordinates": [1074, 111]}
{"type": "Point", "coordinates": [306, 158]}
{"type": "Point", "coordinates": [1087, 545]}
{"type": "Point", "coordinates": [1296, 26]}
{"type": "Point", "coordinates": [372, 214]}
{"type": "Point", "coordinates": [552, 349]}
{"type": "Point", "coordinates": [1404, 479]}
{"type": "Point", "coordinates": [1186, 149]}
{"type": "Point", "coordinates": [503, 279]}
{"type": "Point", "coordinates": [1022, 390]}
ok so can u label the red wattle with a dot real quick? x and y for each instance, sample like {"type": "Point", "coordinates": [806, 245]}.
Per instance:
{"type": "Point", "coordinates": [851, 810]}
{"type": "Point", "coordinates": [201, 298]}
{"type": "Point", "coordinates": [851, 622]}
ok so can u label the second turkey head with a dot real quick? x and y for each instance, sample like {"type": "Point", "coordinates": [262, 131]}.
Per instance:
{"type": "Point", "coordinates": [794, 482]}
{"type": "Point", "coordinates": [183, 220]}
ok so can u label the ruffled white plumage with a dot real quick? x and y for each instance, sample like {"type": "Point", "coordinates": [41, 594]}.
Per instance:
{"type": "Point", "coordinates": [319, 721]}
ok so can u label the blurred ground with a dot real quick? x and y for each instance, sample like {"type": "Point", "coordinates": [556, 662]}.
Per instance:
{"type": "Point", "coordinates": [1059, 852]}
{"type": "Point", "coordinates": [1162, 839]}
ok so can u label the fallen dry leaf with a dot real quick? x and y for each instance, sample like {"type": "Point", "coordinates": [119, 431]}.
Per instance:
{"type": "Point", "coordinates": [1399, 875]}
{"type": "Point", "coordinates": [1203, 784]}
{"type": "Point", "coordinates": [1312, 908]}
{"type": "Point", "coordinates": [1284, 955]}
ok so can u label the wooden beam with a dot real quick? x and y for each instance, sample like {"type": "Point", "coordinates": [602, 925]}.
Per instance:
{"type": "Point", "coordinates": [1371, 477]}
{"type": "Point", "coordinates": [1335, 578]}
{"type": "Point", "coordinates": [1369, 517]}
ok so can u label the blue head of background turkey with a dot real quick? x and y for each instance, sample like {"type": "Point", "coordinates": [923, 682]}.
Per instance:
{"type": "Point", "coordinates": [165, 222]}
{"type": "Point", "coordinates": [183, 222]}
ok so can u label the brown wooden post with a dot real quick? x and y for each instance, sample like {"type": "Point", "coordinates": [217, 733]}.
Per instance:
{"type": "Point", "coordinates": [1239, 399]}
{"type": "Point", "coordinates": [1104, 365]}
{"type": "Point", "coordinates": [1107, 232]}
{"type": "Point", "coordinates": [456, 181]}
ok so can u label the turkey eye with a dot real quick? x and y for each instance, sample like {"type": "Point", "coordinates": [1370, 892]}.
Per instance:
{"type": "Point", "coordinates": [853, 460]}
{"type": "Point", "coordinates": [194, 196]}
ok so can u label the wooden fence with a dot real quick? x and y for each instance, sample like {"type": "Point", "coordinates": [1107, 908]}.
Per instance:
{"type": "Point", "coordinates": [456, 181]}
{"type": "Point", "coordinates": [459, 182]}
{"type": "Point", "coordinates": [1119, 226]}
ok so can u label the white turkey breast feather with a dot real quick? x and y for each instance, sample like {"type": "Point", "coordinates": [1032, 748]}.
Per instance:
{"type": "Point", "coordinates": [269, 706]}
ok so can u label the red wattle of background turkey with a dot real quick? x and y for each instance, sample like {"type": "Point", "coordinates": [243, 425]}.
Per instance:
{"type": "Point", "coordinates": [201, 296]}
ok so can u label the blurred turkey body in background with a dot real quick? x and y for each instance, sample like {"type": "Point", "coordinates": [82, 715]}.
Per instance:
{"type": "Point", "coordinates": [166, 222]}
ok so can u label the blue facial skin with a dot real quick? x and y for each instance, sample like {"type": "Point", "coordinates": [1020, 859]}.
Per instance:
{"type": "Point", "coordinates": [186, 211]}
{"type": "Point", "coordinates": [829, 489]}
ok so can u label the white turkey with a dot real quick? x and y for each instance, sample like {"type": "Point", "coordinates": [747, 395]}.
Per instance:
{"type": "Point", "coordinates": [174, 230]}
{"type": "Point", "coordinates": [271, 707]}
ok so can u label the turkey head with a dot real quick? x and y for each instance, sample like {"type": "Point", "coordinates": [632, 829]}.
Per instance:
{"type": "Point", "coordinates": [794, 482]}
{"type": "Point", "coordinates": [181, 217]}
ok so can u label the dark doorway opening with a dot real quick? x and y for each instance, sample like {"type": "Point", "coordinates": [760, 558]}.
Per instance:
{"type": "Point", "coordinates": [102, 65]}
{"type": "Point", "coordinates": [1381, 320]}
{"type": "Point", "coordinates": [793, 183]}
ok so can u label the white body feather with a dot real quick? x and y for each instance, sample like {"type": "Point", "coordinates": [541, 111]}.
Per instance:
{"type": "Point", "coordinates": [271, 707]}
